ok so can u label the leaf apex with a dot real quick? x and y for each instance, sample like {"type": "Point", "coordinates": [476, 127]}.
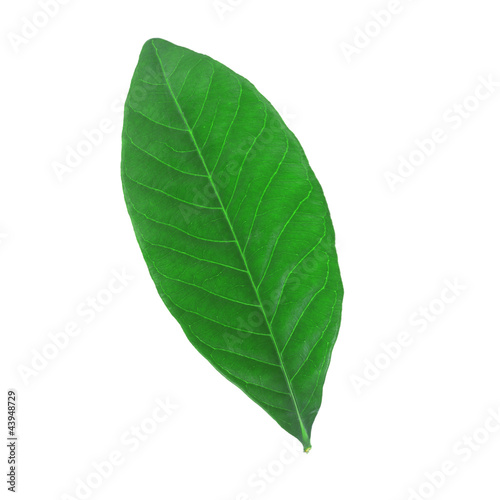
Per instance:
{"type": "Point", "coordinates": [157, 42]}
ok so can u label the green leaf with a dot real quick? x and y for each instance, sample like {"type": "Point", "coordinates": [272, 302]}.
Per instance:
{"type": "Point", "coordinates": [234, 228]}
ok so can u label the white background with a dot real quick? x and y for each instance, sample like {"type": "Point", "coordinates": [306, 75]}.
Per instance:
{"type": "Point", "coordinates": [62, 239]}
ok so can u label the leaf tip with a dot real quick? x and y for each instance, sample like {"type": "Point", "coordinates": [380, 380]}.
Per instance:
{"type": "Point", "coordinates": [156, 42]}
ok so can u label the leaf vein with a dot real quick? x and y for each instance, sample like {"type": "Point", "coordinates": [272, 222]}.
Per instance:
{"type": "Point", "coordinates": [154, 121]}
{"type": "Point", "coordinates": [308, 304]}
{"type": "Point", "coordinates": [169, 195]}
{"type": "Point", "coordinates": [206, 317]}
{"type": "Point", "coordinates": [161, 161]}
{"type": "Point", "coordinates": [193, 256]}
{"type": "Point", "coordinates": [177, 228]}
{"type": "Point", "coordinates": [245, 158]}
{"type": "Point", "coordinates": [281, 233]}
{"type": "Point", "coordinates": [295, 267]}
{"type": "Point", "coordinates": [263, 194]}
{"type": "Point", "coordinates": [207, 291]}
{"type": "Point", "coordinates": [317, 342]}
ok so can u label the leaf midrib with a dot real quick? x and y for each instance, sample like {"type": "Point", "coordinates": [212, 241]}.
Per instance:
{"type": "Point", "coordinates": [305, 435]}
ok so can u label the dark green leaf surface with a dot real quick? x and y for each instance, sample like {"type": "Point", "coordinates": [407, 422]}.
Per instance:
{"type": "Point", "coordinates": [234, 228]}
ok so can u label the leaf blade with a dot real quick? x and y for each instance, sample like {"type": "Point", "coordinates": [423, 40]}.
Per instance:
{"type": "Point", "coordinates": [219, 159]}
